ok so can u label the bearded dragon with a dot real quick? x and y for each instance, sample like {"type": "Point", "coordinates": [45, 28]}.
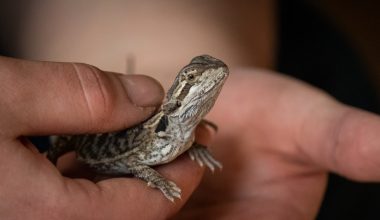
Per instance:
{"type": "Point", "coordinates": [161, 138]}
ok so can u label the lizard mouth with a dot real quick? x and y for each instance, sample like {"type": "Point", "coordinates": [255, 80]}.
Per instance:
{"type": "Point", "coordinates": [203, 97]}
{"type": "Point", "coordinates": [217, 82]}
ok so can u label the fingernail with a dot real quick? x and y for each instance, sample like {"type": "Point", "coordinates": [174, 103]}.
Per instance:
{"type": "Point", "coordinates": [143, 91]}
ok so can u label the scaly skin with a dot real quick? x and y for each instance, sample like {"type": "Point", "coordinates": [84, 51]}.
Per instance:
{"type": "Point", "coordinates": [160, 139]}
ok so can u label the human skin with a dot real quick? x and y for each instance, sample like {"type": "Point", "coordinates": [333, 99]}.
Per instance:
{"type": "Point", "coordinates": [278, 138]}
{"type": "Point", "coordinates": [41, 98]}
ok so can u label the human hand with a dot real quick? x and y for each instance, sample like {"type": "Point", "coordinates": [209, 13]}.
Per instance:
{"type": "Point", "coordinates": [41, 98]}
{"type": "Point", "coordinates": [278, 138]}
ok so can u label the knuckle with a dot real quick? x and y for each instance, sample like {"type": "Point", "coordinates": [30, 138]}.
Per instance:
{"type": "Point", "coordinates": [97, 92]}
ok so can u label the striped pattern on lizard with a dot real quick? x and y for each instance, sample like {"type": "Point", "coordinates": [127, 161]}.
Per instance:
{"type": "Point", "coordinates": [161, 138]}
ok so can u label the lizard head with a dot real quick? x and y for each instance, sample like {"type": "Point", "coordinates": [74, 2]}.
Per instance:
{"type": "Point", "coordinates": [195, 89]}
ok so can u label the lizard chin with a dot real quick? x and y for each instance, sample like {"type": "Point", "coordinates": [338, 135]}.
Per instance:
{"type": "Point", "coordinates": [201, 98]}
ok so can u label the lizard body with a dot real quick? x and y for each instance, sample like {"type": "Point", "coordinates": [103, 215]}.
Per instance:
{"type": "Point", "coordinates": [160, 139]}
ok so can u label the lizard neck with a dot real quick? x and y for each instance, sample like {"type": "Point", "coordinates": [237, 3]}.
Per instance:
{"type": "Point", "coordinates": [184, 125]}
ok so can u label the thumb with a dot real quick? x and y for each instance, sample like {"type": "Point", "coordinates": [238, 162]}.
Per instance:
{"type": "Point", "coordinates": [56, 98]}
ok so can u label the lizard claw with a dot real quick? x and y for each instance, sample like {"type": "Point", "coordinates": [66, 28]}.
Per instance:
{"type": "Point", "coordinates": [203, 157]}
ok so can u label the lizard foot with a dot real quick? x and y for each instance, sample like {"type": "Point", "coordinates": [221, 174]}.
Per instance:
{"type": "Point", "coordinates": [203, 157]}
{"type": "Point", "coordinates": [155, 180]}
{"type": "Point", "coordinates": [167, 187]}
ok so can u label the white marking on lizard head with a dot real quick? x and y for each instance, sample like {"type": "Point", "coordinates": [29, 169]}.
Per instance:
{"type": "Point", "coordinates": [196, 88]}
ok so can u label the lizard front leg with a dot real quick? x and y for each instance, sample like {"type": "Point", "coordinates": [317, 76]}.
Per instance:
{"type": "Point", "coordinates": [59, 146]}
{"type": "Point", "coordinates": [155, 180]}
{"type": "Point", "coordinates": [210, 124]}
{"type": "Point", "coordinates": [143, 172]}
{"type": "Point", "coordinates": [199, 153]}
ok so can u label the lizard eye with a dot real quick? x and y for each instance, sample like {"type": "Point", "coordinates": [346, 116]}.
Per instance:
{"type": "Point", "coordinates": [190, 77]}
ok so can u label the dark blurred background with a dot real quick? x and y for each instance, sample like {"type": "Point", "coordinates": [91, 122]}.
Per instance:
{"type": "Point", "coordinates": [333, 45]}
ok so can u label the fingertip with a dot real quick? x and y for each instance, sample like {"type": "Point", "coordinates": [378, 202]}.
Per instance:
{"type": "Point", "coordinates": [142, 90]}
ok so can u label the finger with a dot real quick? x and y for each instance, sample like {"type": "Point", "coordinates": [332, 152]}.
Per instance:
{"type": "Point", "coordinates": [47, 97]}
{"type": "Point", "coordinates": [295, 119]}
{"type": "Point", "coordinates": [345, 140]}
{"type": "Point", "coordinates": [131, 197]}
{"type": "Point", "coordinates": [310, 126]}
{"type": "Point", "coordinates": [120, 197]}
